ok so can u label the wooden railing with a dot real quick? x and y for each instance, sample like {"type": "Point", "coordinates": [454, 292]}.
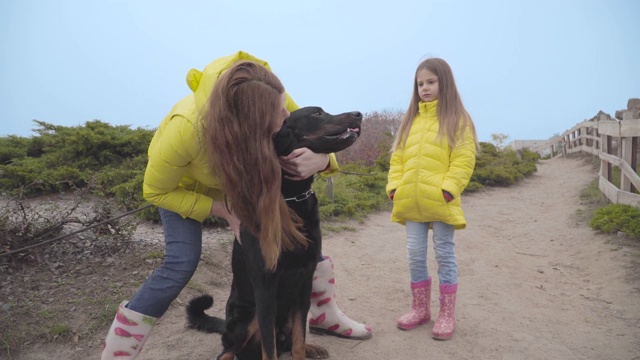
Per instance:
{"type": "Point", "coordinates": [616, 144]}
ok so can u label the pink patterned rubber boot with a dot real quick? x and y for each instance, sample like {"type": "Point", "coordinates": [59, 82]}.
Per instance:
{"type": "Point", "coordinates": [128, 333]}
{"type": "Point", "coordinates": [446, 323]}
{"type": "Point", "coordinates": [420, 307]}
{"type": "Point", "coordinates": [325, 318]}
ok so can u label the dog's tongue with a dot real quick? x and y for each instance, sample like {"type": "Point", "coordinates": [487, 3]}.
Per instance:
{"type": "Point", "coordinates": [345, 134]}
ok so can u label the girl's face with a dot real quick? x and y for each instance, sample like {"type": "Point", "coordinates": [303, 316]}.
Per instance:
{"type": "Point", "coordinates": [427, 85]}
{"type": "Point", "coordinates": [283, 114]}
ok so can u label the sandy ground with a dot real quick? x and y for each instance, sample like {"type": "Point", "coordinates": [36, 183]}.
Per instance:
{"type": "Point", "coordinates": [535, 283]}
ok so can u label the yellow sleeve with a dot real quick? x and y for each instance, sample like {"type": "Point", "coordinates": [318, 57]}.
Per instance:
{"type": "Point", "coordinates": [333, 167]}
{"type": "Point", "coordinates": [174, 146]}
{"type": "Point", "coordinates": [461, 166]}
{"type": "Point", "coordinates": [396, 169]}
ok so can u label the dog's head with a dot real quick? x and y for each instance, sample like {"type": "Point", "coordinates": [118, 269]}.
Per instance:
{"type": "Point", "coordinates": [320, 132]}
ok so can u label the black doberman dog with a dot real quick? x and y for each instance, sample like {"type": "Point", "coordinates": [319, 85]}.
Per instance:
{"type": "Point", "coordinates": [266, 312]}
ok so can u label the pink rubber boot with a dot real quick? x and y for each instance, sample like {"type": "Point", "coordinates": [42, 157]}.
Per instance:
{"type": "Point", "coordinates": [420, 308]}
{"type": "Point", "coordinates": [446, 323]}
{"type": "Point", "coordinates": [325, 318]}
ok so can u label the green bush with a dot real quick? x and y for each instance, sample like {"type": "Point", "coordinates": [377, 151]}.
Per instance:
{"type": "Point", "coordinates": [617, 217]}
{"type": "Point", "coordinates": [11, 148]}
{"type": "Point", "coordinates": [496, 176]}
{"type": "Point", "coordinates": [473, 186]}
{"type": "Point", "coordinates": [61, 158]}
{"type": "Point", "coordinates": [111, 161]}
{"type": "Point", "coordinates": [358, 191]}
{"type": "Point", "coordinates": [503, 167]}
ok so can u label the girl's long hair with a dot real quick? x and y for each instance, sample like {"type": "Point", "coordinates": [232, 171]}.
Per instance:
{"type": "Point", "coordinates": [239, 123]}
{"type": "Point", "coordinates": [453, 117]}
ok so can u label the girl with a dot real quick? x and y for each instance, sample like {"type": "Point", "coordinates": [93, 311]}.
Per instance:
{"type": "Point", "coordinates": [183, 180]}
{"type": "Point", "coordinates": [432, 160]}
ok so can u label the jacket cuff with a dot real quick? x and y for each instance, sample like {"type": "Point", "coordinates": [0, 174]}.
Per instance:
{"type": "Point", "coordinates": [333, 167]}
{"type": "Point", "coordinates": [202, 208]}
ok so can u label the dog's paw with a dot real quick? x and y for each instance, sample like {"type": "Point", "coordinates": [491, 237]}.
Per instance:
{"type": "Point", "coordinates": [315, 352]}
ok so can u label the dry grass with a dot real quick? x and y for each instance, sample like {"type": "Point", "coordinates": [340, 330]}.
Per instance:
{"type": "Point", "coordinates": [66, 299]}
{"type": "Point", "coordinates": [72, 301]}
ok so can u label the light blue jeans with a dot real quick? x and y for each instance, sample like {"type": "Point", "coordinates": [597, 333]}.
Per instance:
{"type": "Point", "coordinates": [443, 245]}
{"type": "Point", "coordinates": [183, 246]}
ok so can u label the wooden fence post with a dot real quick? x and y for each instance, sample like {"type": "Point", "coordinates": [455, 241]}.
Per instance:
{"type": "Point", "coordinates": [634, 159]}
{"type": "Point", "coordinates": [605, 166]}
{"type": "Point", "coordinates": [629, 149]}
{"type": "Point", "coordinates": [330, 194]}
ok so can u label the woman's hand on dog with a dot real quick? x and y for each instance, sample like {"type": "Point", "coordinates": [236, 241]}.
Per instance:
{"type": "Point", "coordinates": [303, 163]}
{"type": "Point", "coordinates": [220, 210]}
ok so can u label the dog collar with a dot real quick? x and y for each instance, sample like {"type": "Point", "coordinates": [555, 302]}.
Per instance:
{"type": "Point", "coordinates": [304, 196]}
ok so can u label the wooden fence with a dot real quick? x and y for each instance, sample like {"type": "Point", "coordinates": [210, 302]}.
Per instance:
{"type": "Point", "coordinates": [616, 144]}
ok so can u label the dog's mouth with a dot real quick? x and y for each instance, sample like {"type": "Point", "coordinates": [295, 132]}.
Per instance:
{"type": "Point", "coordinates": [350, 132]}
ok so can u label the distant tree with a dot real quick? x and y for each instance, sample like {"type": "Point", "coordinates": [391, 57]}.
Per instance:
{"type": "Point", "coordinates": [499, 140]}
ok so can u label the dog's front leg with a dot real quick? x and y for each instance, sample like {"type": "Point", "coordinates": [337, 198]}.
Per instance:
{"type": "Point", "coordinates": [298, 332]}
{"type": "Point", "coordinates": [266, 307]}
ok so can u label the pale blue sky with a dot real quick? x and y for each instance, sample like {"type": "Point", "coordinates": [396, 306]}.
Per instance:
{"type": "Point", "coordinates": [527, 69]}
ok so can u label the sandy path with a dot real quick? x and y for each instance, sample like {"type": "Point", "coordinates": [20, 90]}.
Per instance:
{"type": "Point", "coordinates": [534, 284]}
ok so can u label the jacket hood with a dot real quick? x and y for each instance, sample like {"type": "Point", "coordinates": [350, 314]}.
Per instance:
{"type": "Point", "coordinates": [202, 82]}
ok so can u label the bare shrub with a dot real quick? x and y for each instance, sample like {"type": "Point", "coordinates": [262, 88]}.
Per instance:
{"type": "Point", "coordinates": [378, 131]}
{"type": "Point", "coordinates": [28, 223]}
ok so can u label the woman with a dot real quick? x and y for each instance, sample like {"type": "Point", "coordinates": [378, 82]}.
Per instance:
{"type": "Point", "coordinates": [181, 180]}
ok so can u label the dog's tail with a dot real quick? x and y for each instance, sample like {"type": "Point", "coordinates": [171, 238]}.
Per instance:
{"type": "Point", "coordinates": [199, 320]}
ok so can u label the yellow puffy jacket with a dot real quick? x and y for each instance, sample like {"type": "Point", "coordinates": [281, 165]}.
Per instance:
{"type": "Point", "coordinates": [424, 167]}
{"type": "Point", "coordinates": [177, 177]}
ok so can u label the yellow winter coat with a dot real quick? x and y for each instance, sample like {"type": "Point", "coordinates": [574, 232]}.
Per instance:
{"type": "Point", "coordinates": [424, 167]}
{"type": "Point", "coordinates": [177, 177]}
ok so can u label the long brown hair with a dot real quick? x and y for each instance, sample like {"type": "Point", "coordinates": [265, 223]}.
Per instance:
{"type": "Point", "coordinates": [453, 117]}
{"type": "Point", "coordinates": [241, 117]}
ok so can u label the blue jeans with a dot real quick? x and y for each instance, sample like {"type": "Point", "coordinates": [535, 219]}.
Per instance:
{"type": "Point", "coordinates": [443, 244]}
{"type": "Point", "coordinates": [183, 246]}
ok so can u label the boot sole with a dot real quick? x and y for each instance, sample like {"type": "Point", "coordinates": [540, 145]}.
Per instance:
{"type": "Point", "coordinates": [320, 331]}
{"type": "Point", "coordinates": [442, 336]}
{"type": "Point", "coordinates": [412, 326]}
